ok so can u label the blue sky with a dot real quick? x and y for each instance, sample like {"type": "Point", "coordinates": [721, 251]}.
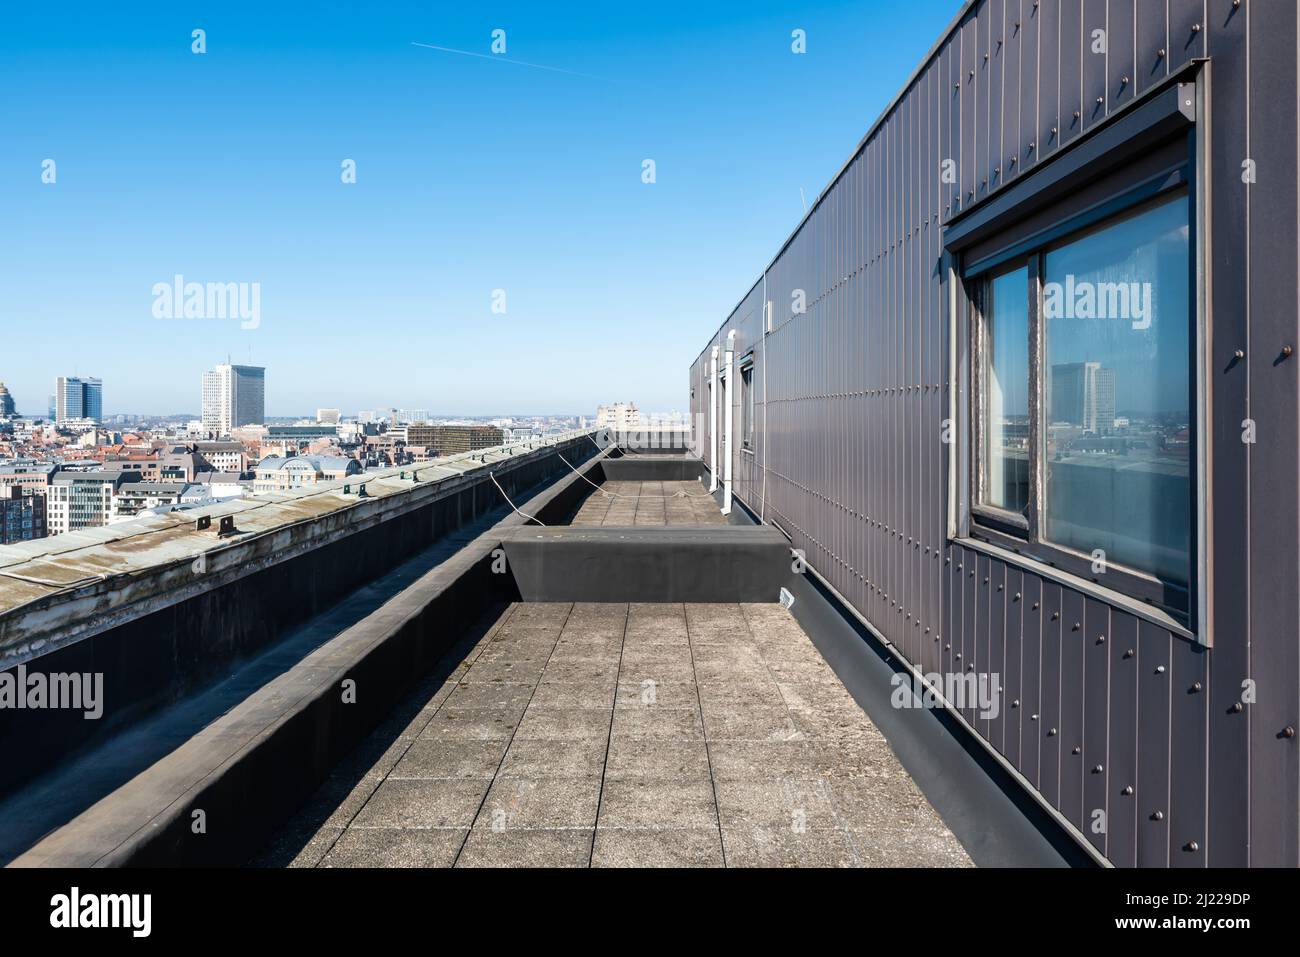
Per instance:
{"type": "Point", "coordinates": [473, 174]}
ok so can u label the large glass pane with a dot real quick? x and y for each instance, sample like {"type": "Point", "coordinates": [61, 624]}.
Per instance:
{"type": "Point", "coordinates": [1005, 401]}
{"type": "Point", "coordinates": [1117, 418]}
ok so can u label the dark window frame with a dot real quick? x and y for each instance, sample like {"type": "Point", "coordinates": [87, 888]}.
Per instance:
{"type": "Point", "coordinates": [1005, 237]}
{"type": "Point", "coordinates": [747, 431]}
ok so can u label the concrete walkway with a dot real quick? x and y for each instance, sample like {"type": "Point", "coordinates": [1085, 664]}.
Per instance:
{"type": "Point", "coordinates": [649, 503]}
{"type": "Point", "coordinates": [614, 735]}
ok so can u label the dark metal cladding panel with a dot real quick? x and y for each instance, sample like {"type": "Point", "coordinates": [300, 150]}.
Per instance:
{"type": "Point", "coordinates": [1097, 806]}
{"type": "Point", "coordinates": [1051, 753]}
{"type": "Point", "coordinates": [995, 669]}
{"type": "Point", "coordinates": [1013, 699]}
{"type": "Point", "coordinates": [1072, 52]}
{"type": "Point", "coordinates": [1186, 31]}
{"type": "Point", "coordinates": [983, 132]}
{"type": "Point", "coordinates": [994, 67]}
{"type": "Point", "coordinates": [1027, 143]}
{"type": "Point", "coordinates": [971, 632]}
{"type": "Point", "coordinates": [1122, 742]}
{"type": "Point", "coordinates": [1073, 681]}
{"type": "Point", "coordinates": [1050, 119]}
{"type": "Point", "coordinates": [1154, 713]}
{"type": "Point", "coordinates": [1152, 45]}
{"type": "Point", "coordinates": [984, 639]}
{"type": "Point", "coordinates": [1274, 616]}
{"type": "Point", "coordinates": [1031, 723]}
{"type": "Point", "coordinates": [1187, 770]}
{"type": "Point", "coordinates": [1229, 745]}
{"type": "Point", "coordinates": [1096, 56]}
{"type": "Point", "coordinates": [970, 59]}
{"type": "Point", "coordinates": [1010, 158]}
{"type": "Point", "coordinates": [1120, 35]}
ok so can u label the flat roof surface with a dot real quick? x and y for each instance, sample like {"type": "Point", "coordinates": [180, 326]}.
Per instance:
{"type": "Point", "coordinates": [614, 734]}
{"type": "Point", "coordinates": [649, 503]}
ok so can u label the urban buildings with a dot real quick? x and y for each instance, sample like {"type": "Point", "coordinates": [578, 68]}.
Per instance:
{"type": "Point", "coordinates": [328, 416]}
{"type": "Point", "coordinates": [7, 407]}
{"type": "Point", "coordinates": [619, 417]}
{"type": "Point", "coordinates": [453, 439]}
{"type": "Point", "coordinates": [233, 396]}
{"type": "Point", "coordinates": [278, 474]}
{"type": "Point", "coordinates": [132, 498]}
{"type": "Point", "coordinates": [78, 400]}
{"type": "Point", "coordinates": [83, 499]}
{"type": "Point", "coordinates": [22, 514]}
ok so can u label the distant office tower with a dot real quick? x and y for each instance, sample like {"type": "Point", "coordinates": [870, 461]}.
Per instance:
{"type": "Point", "coordinates": [1083, 394]}
{"type": "Point", "coordinates": [6, 402]}
{"type": "Point", "coordinates": [76, 398]}
{"type": "Point", "coordinates": [233, 396]}
{"type": "Point", "coordinates": [328, 416]}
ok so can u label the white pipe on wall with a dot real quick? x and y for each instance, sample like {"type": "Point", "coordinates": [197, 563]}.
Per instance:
{"type": "Point", "coordinates": [727, 436]}
{"type": "Point", "coordinates": [713, 422]}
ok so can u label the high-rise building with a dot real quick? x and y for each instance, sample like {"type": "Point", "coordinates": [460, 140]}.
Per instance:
{"type": "Point", "coordinates": [77, 398]}
{"type": "Point", "coordinates": [6, 402]}
{"type": "Point", "coordinates": [328, 416]}
{"type": "Point", "coordinates": [1083, 394]}
{"type": "Point", "coordinates": [233, 396]}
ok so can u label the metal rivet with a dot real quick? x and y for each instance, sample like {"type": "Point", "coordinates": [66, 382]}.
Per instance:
{"type": "Point", "coordinates": [1239, 354]}
{"type": "Point", "coordinates": [1016, 703]}
{"type": "Point", "coordinates": [1128, 791]}
{"type": "Point", "coordinates": [1157, 815]}
{"type": "Point", "coordinates": [1160, 54]}
{"type": "Point", "coordinates": [1101, 639]}
{"type": "Point", "coordinates": [1196, 686]}
{"type": "Point", "coordinates": [1286, 351]}
{"type": "Point", "coordinates": [1097, 769]}
{"type": "Point", "coordinates": [1192, 847]}
{"type": "Point", "coordinates": [1033, 717]}
{"type": "Point", "coordinates": [1288, 732]}
{"type": "Point", "coordinates": [1075, 750]}
{"type": "Point", "coordinates": [1051, 732]}
{"type": "Point", "coordinates": [1236, 707]}
{"type": "Point", "coordinates": [1160, 669]}
{"type": "Point", "coordinates": [1017, 597]}
{"type": "Point", "coordinates": [1035, 608]}
{"type": "Point", "coordinates": [1101, 101]}
{"type": "Point", "coordinates": [1076, 626]}
{"type": "Point", "coordinates": [1196, 28]}
{"type": "Point", "coordinates": [1055, 615]}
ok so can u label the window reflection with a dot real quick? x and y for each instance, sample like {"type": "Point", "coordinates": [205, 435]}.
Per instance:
{"type": "Point", "coordinates": [1005, 385]}
{"type": "Point", "coordinates": [1117, 398]}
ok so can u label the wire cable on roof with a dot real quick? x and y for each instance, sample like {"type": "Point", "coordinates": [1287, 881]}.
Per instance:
{"type": "Point", "coordinates": [493, 476]}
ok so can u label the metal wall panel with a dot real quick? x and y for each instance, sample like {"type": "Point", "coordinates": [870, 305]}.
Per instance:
{"type": "Point", "coordinates": [850, 459]}
{"type": "Point", "coordinates": [1274, 633]}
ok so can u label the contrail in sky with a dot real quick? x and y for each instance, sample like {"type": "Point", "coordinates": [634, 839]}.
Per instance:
{"type": "Point", "coordinates": [485, 56]}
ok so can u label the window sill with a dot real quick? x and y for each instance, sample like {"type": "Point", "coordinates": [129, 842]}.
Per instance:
{"type": "Point", "coordinates": [1132, 606]}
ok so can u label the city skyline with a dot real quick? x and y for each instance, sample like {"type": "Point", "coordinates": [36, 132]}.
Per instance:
{"type": "Point", "coordinates": [384, 288]}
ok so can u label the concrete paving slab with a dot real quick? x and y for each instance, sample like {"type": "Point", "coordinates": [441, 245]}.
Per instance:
{"type": "Point", "coordinates": [728, 743]}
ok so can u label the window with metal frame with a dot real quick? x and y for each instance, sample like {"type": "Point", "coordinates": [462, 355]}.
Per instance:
{"type": "Point", "coordinates": [1083, 349]}
{"type": "Point", "coordinates": [747, 403]}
